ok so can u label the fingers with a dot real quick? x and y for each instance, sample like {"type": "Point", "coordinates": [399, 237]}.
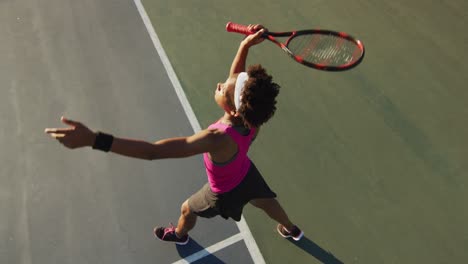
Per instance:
{"type": "Point", "coordinates": [61, 135]}
{"type": "Point", "coordinates": [259, 33]}
{"type": "Point", "coordinates": [68, 136]}
{"type": "Point", "coordinates": [256, 27]}
{"type": "Point", "coordinates": [257, 37]}
{"type": "Point", "coordinates": [57, 135]}
{"type": "Point", "coordinates": [259, 27]}
{"type": "Point", "coordinates": [63, 131]}
{"type": "Point", "coordinates": [70, 122]}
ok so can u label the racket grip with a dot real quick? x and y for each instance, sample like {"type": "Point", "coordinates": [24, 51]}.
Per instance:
{"type": "Point", "coordinates": [238, 28]}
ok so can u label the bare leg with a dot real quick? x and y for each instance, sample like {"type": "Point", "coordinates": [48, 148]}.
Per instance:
{"type": "Point", "coordinates": [272, 207]}
{"type": "Point", "coordinates": [187, 220]}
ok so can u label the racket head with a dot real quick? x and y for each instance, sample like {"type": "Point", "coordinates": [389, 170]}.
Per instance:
{"type": "Point", "coordinates": [325, 49]}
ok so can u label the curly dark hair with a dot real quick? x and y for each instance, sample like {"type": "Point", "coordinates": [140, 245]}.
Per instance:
{"type": "Point", "coordinates": [258, 101]}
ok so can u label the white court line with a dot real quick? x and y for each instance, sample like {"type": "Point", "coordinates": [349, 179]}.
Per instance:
{"type": "Point", "coordinates": [210, 250]}
{"type": "Point", "coordinates": [242, 225]}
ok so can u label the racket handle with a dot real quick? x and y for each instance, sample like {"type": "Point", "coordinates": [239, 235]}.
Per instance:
{"type": "Point", "coordinates": [238, 28]}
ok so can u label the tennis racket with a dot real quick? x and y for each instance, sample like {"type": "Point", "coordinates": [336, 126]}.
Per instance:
{"type": "Point", "coordinates": [317, 48]}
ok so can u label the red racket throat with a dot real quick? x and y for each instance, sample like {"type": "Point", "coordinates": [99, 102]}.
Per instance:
{"type": "Point", "coordinates": [320, 49]}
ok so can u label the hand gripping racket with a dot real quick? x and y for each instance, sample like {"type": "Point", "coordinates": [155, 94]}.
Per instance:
{"type": "Point", "coordinates": [317, 48]}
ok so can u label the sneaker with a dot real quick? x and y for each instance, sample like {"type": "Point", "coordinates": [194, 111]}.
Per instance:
{"type": "Point", "coordinates": [169, 234]}
{"type": "Point", "coordinates": [295, 233]}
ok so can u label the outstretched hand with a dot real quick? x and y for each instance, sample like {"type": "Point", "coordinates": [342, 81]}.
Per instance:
{"type": "Point", "coordinates": [76, 135]}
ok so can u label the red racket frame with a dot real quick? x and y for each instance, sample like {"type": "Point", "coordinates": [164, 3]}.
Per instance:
{"type": "Point", "coordinates": [242, 29]}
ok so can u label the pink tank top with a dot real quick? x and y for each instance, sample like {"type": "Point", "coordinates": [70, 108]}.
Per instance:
{"type": "Point", "coordinates": [224, 177]}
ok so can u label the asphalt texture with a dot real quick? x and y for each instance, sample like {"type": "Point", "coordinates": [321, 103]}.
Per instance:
{"type": "Point", "coordinates": [92, 61]}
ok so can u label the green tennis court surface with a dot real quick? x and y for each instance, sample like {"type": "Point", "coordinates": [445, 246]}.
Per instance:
{"type": "Point", "coordinates": [371, 163]}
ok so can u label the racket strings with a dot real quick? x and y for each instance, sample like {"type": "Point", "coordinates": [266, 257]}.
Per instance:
{"type": "Point", "coordinates": [322, 49]}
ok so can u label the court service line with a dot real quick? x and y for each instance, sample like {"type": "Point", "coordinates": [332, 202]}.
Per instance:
{"type": "Point", "coordinates": [242, 225]}
{"type": "Point", "coordinates": [211, 249]}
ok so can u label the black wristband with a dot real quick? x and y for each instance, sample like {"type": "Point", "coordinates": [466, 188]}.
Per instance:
{"type": "Point", "coordinates": [103, 141]}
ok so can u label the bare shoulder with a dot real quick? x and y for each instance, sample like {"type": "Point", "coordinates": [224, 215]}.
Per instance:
{"type": "Point", "coordinates": [211, 132]}
{"type": "Point", "coordinates": [218, 136]}
{"type": "Point", "coordinates": [213, 139]}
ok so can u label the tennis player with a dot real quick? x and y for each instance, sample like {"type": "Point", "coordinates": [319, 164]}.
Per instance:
{"type": "Point", "coordinates": [248, 99]}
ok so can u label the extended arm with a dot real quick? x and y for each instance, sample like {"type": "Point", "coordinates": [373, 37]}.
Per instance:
{"type": "Point", "coordinates": [78, 135]}
{"type": "Point", "coordinates": [179, 147]}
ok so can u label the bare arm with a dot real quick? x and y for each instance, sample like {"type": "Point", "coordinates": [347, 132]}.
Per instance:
{"type": "Point", "coordinates": [180, 147]}
{"type": "Point", "coordinates": [78, 135]}
{"type": "Point", "coordinates": [238, 64]}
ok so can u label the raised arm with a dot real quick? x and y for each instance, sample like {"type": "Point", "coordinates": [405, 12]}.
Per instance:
{"type": "Point", "coordinates": [78, 135]}
{"type": "Point", "coordinates": [238, 64]}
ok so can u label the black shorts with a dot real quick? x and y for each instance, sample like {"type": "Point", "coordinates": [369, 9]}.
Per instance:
{"type": "Point", "coordinates": [206, 203]}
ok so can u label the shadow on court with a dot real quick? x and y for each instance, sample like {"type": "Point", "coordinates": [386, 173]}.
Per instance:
{"type": "Point", "coordinates": [193, 247]}
{"type": "Point", "coordinates": [316, 251]}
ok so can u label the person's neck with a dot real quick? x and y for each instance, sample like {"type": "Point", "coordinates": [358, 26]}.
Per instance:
{"type": "Point", "coordinates": [231, 120]}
